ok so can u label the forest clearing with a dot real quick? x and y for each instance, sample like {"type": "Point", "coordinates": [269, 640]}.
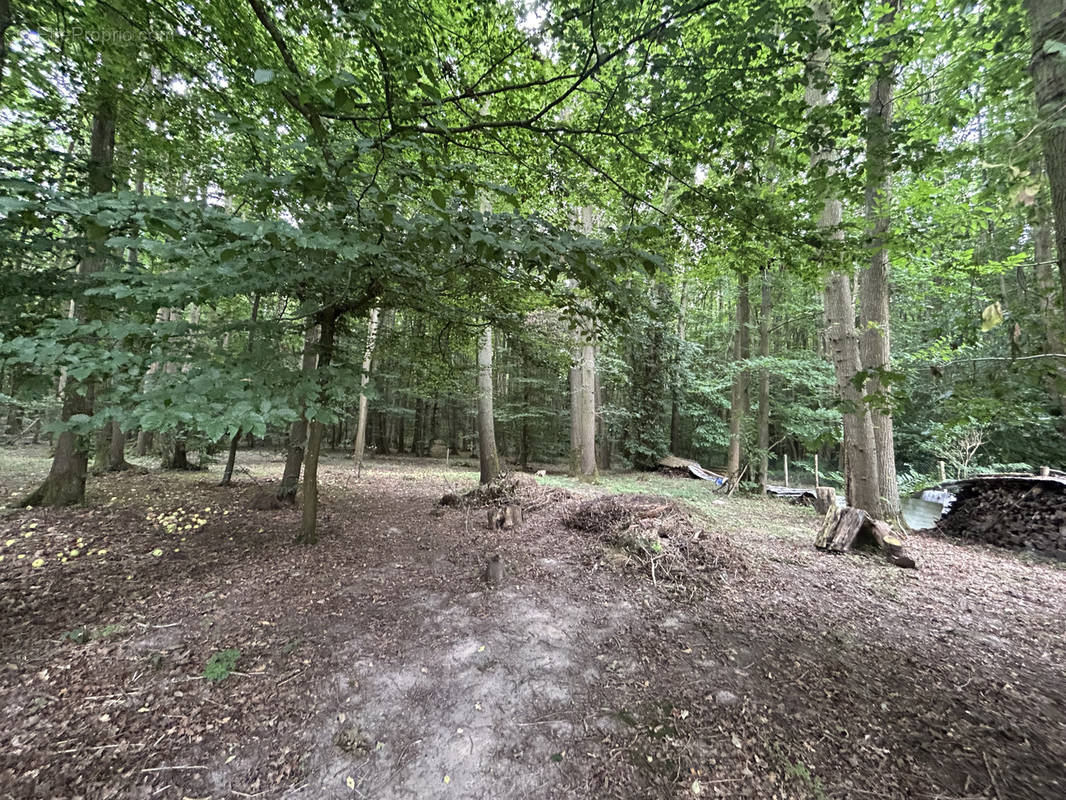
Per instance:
{"type": "Point", "coordinates": [382, 657]}
{"type": "Point", "coordinates": [533, 399]}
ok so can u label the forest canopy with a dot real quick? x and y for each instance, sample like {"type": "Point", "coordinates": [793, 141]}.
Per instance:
{"type": "Point", "coordinates": [592, 231]}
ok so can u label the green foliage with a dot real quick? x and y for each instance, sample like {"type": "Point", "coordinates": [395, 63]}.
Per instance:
{"type": "Point", "coordinates": [221, 665]}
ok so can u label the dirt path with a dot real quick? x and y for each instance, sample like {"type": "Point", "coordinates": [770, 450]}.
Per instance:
{"type": "Point", "coordinates": [378, 665]}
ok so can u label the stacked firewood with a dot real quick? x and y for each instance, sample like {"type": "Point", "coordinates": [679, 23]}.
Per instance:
{"type": "Point", "coordinates": [1015, 512]}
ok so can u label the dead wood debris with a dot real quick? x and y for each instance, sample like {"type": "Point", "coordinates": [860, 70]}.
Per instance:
{"type": "Point", "coordinates": [656, 536]}
{"type": "Point", "coordinates": [510, 488]}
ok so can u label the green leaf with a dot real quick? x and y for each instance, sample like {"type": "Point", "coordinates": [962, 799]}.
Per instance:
{"type": "Point", "coordinates": [992, 316]}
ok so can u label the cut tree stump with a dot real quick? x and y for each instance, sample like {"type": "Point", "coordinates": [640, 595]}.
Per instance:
{"type": "Point", "coordinates": [849, 528]}
{"type": "Point", "coordinates": [506, 518]}
{"type": "Point", "coordinates": [825, 499]}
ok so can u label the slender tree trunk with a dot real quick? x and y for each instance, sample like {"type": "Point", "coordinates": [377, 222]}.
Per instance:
{"type": "Point", "coordinates": [860, 462]}
{"type": "Point", "coordinates": [231, 457]}
{"type": "Point", "coordinates": [309, 517]}
{"type": "Point", "coordinates": [765, 310]}
{"type": "Point", "coordinates": [65, 484]}
{"type": "Point", "coordinates": [144, 442]}
{"type": "Point", "coordinates": [290, 479]}
{"type": "Point", "coordinates": [587, 401]}
{"type": "Point", "coordinates": [489, 461]}
{"type": "Point", "coordinates": [738, 402]}
{"type": "Point", "coordinates": [875, 342]}
{"type": "Point", "coordinates": [675, 383]}
{"type": "Point", "coordinates": [1047, 18]}
{"type": "Point", "coordinates": [574, 376]}
{"type": "Point", "coordinates": [368, 356]}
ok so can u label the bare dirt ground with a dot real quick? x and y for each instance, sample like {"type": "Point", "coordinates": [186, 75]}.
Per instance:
{"type": "Point", "coordinates": [377, 664]}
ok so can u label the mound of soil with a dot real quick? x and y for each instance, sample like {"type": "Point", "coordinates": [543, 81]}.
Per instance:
{"type": "Point", "coordinates": [654, 536]}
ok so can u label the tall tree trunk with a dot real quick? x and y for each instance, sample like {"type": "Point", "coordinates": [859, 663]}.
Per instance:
{"type": "Point", "coordinates": [231, 457]}
{"type": "Point", "coordinates": [860, 463]}
{"type": "Point", "coordinates": [1050, 312]}
{"type": "Point", "coordinates": [309, 517]}
{"type": "Point", "coordinates": [1047, 18]}
{"type": "Point", "coordinates": [738, 401]}
{"type": "Point", "coordinates": [290, 479]}
{"type": "Point", "coordinates": [574, 377]}
{"type": "Point", "coordinates": [875, 342]}
{"type": "Point", "coordinates": [765, 310]}
{"type": "Point", "coordinates": [489, 462]}
{"type": "Point", "coordinates": [603, 441]}
{"type": "Point", "coordinates": [675, 383]}
{"type": "Point", "coordinates": [368, 356]}
{"type": "Point", "coordinates": [65, 483]}
{"type": "Point", "coordinates": [587, 407]}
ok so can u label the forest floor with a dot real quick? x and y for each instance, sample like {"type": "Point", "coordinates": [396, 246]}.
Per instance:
{"type": "Point", "coordinates": [170, 641]}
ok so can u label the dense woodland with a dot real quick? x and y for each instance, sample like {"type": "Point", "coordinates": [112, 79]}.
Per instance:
{"type": "Point", "coordinates": [590, 233]}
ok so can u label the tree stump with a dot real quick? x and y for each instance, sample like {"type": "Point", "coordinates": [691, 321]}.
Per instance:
{"type": "Point", "coordinates": [825, 499]}
{"type": "Point", "coordinates": [849, 528]}
{"type": "Point", "coordinates": [506, 518]}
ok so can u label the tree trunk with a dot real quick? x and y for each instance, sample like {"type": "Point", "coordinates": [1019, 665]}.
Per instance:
{"type": "Point", "coordinates": [765, 310]}
{"type": "Point", "coordinates": [675, 388]}
{"type": "Point", "coordinates": [574, 377]}
{"type": "Point", "coordinates": [65, 483]}
{"type": "Point", "coordinates": [738, 401]}
{"type": "Point", "coordinates": [489, 462]}
{"type": "Point", "coordinates": [875, 343]}
{"type": "Point", "coordinates": [290, 479]}
{"type": "Point", "coordinates": [603, 440]}
{"type": "Point", "coordinates": [144, 442]}
{"type": "Point", "coordinates": [860, 462]}
{"type": "Point", "coordinates": [1050, 313]}
{"type": "Point", "coordinates": [309, 517]}
{"type": "Point", "coordinates": [368, 356]}
{"type": "Point", "coordinates": [116, 455]}
{"type": "Point", "coordinates": [231, 457]}
{"type": "Point", "coordinates": [1047, 18]}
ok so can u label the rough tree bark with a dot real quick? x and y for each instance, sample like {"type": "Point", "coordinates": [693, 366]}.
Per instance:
{"type": "Point", "coordinates": [486, 427]}
{"type": "Point", "coordinates": [1047, 19]}
{"type": "Point", "coordinates": [324, 347]}
{"type": "Point", "coordinates": [738, 401]}
{"type": "Point", "coordinates": [765, 310]}
{"type": "Point", "coordinates": [860, 452]}
{"type": "Point", "coordinates": [1049, 309]}
{"type": "Point", "coordinates": [583, 406]}
{"type": "Point", "coordinates": [875, 342]}
{"type": "Point", "coordinates": [290, 479]}
{"type": "Point", "coordinates": [65, 484]}
{"type": "Point", "coordinates": [368, 357]}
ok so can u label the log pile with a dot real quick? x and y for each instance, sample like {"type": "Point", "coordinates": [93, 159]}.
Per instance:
{"type": "Point", "coordinates": [1018, 512]}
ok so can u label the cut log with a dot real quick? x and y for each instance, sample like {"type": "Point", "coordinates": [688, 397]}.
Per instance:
{"type": "Point", "coordinates": [850, 528]}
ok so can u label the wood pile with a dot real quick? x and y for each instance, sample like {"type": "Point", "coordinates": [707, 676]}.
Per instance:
{"type": "Point", "coordinates": [1018, 512]}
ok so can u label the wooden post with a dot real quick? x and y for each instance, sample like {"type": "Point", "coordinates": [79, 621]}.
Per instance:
{"type": "Point", "coordinates": [447, 457]}
{"type": "Point", "coordinates": [943, 474]}
{"type": "Point", "coordinates": [816, 484]}
{"type": "Point", "coordinates": [786, 470]}
{"type": "Point", "coordinates": [1045, 472]}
